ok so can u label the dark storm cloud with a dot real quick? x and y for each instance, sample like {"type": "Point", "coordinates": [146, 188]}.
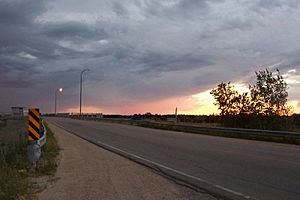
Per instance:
{"type": "Point", "coordinates": [157, 63]}
{"type": "Point", "coordinates": [142, 50]}
{"type": "Point", "coordinates": [20, 12]}
{"type": "Point", "coordinates": [74, 30]}
{"type": "Point", "coordinates": [120, 10]}
{"type": "Point", "coordinates": [23, 47]}
{"type": "Point", "coordinates": [273, 4]}
{"type": "Point", "coordinates": [181, 10]}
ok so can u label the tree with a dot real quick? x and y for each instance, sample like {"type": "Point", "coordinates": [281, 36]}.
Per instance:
{"type": "Point", "coordinates": [269, 94]}
{"type": "Point", "coordinates": [229, 101]}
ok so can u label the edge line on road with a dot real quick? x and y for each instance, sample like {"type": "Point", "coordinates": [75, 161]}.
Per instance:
{"type": "Point", "coordinates": [214, 189]}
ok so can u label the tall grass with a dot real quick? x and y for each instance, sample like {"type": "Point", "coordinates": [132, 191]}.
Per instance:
{"type": "Point", "coordinates": [47, 164]}
{"type": "Point", "coordinates": [16, 173]}
{"type": "Point", "coordinates": [13, 160]}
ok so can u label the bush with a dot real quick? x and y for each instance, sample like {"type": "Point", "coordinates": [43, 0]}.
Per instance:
{"type": "Point", "coordinates": [252, 121]}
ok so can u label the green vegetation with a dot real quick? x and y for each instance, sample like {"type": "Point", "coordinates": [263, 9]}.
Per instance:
{"type": "Point", "coordinates": [47, 164]}
{"type": "Point", "coordinates": [13, 160]}
{"type": "Point", "coordinates": [16, 172]}
{"type": "Point", "coordinates": [264, 108]}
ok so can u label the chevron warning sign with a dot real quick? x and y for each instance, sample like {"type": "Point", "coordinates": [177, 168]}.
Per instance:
{"type": "Point", "coordinates": [34, 125]}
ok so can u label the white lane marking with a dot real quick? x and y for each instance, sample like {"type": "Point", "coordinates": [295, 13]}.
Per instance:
{"type": "Point", "coordinates": [176, 171]}
{"type": "Point", "coordinates": [162, 166]}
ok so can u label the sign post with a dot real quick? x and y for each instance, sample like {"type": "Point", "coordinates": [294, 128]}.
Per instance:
{"type": "Point", "coordinates": [34, 125]}
{"type": "Point", "coordinates": [34, 134]}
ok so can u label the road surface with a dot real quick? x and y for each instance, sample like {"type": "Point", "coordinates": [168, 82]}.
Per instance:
{"type": "Point", "coordinates": [259, 170]}
{"type": "Point", "coordinates": [88, 172]}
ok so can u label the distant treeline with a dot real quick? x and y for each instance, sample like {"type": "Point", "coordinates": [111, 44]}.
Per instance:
{"type": "Point", "coordinates": [238, 121]}
{"type": "Point", "coordinates": [251, 121]}
{"type": "Point", "coordinates": [258, 121]}
{"type": "Point", "coordinates": [180, 118]}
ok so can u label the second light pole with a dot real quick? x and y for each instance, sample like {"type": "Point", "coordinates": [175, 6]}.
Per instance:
{"type": "Point", "coordinates": [80, 101]}
{"type": "Point", "coordinates": [56, 91]}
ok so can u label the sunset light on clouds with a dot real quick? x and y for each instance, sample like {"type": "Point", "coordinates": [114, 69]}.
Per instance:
{"type": "Point", "coordinates": [197, 104]}
{"type": "Point", "coordinates": [144, 56]}
{"type": "Point", "coordinates": [185, 99]}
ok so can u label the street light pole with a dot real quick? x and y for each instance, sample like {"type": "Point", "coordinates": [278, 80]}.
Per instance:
{"type": "Point", "coordinates": [55, 99]}
{"type": "Point", "coordinates": [80, 100]}
{"type": "Point", "coordinates": [55, 102]}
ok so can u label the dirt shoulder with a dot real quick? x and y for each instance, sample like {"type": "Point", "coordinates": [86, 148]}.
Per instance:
{"type": "Point", "coordinates": [86, 171]}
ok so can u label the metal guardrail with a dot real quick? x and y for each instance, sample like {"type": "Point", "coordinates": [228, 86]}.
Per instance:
{"type": "Point", "coordinates": [260, 132]}
{"type": "Point", "coordinates": [42, 140]}
{"type": "Point", "coordinates": [243, 131]}
{"type": "Point", "coordinates": [256, 132]}
{"type": "Point", "coordinates": [34, 149]}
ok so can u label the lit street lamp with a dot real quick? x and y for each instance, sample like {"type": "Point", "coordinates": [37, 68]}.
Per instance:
{"type": "Point", "coordinates": [56, 91]}
{"type": "Point", "coordinates": [80, 101]}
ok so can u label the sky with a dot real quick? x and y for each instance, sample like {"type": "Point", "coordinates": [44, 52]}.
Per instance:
{"type": "Point", "coordinates": [143, 55]}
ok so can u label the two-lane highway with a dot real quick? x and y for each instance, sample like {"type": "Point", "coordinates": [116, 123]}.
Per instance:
{"type": "Point", "coordinates": [260, 170]}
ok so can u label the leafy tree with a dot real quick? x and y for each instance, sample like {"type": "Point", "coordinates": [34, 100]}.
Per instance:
{"type": "Point", "coordinates": [265, 107]}
{"type": "Point", "coordinates": [229, 101]}
{"type": "Point", "coordinates": [267, 97]}
{"type": "Point", "coordinates": [269, 94]}
{"type": "Point", "coordinates": [244, 103]}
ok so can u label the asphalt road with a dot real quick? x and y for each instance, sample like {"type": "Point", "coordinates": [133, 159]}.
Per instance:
{"type": "Point", "coordinates": [87, 172]}
{"type": "Point", "coordinates": [260, 170]}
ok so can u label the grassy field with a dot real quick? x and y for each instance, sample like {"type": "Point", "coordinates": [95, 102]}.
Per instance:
{"type": "Point", "coordinates": [16, 173]}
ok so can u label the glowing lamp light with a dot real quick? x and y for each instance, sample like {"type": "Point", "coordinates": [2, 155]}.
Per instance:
{"type": "Point", "coordinates": [56, 91]}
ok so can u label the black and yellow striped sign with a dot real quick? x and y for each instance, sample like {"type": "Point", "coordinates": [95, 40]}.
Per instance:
{"type": "Point", "coordinates": [34, 126]}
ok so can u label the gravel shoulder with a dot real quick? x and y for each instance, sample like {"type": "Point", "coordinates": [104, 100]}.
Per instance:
{"type": "Point", "coordinates": [87, 171]}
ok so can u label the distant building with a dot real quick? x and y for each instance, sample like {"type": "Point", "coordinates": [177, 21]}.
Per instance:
{"type": "Point", "coordinates": [93, 115]}
{"type": "Point", "coordinates": [171, 119]}
{"type": "Point", "coordinates": [62, 114]}
{"type": "Point", "coordinates": [19, 111]}
{"type": "Point", "coordinates": [87, 115]}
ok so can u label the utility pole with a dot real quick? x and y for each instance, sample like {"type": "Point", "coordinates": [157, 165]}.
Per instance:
{"type": "Point", "coordinates": [55, 98]}
{"type": "Point", "coordinates": [176, 115]}
{"type": "Point", "coordinates": [80, 98]}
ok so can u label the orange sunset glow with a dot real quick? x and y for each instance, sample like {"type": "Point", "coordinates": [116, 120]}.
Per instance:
{"type": "Point", "coordinates": [201, 103]}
